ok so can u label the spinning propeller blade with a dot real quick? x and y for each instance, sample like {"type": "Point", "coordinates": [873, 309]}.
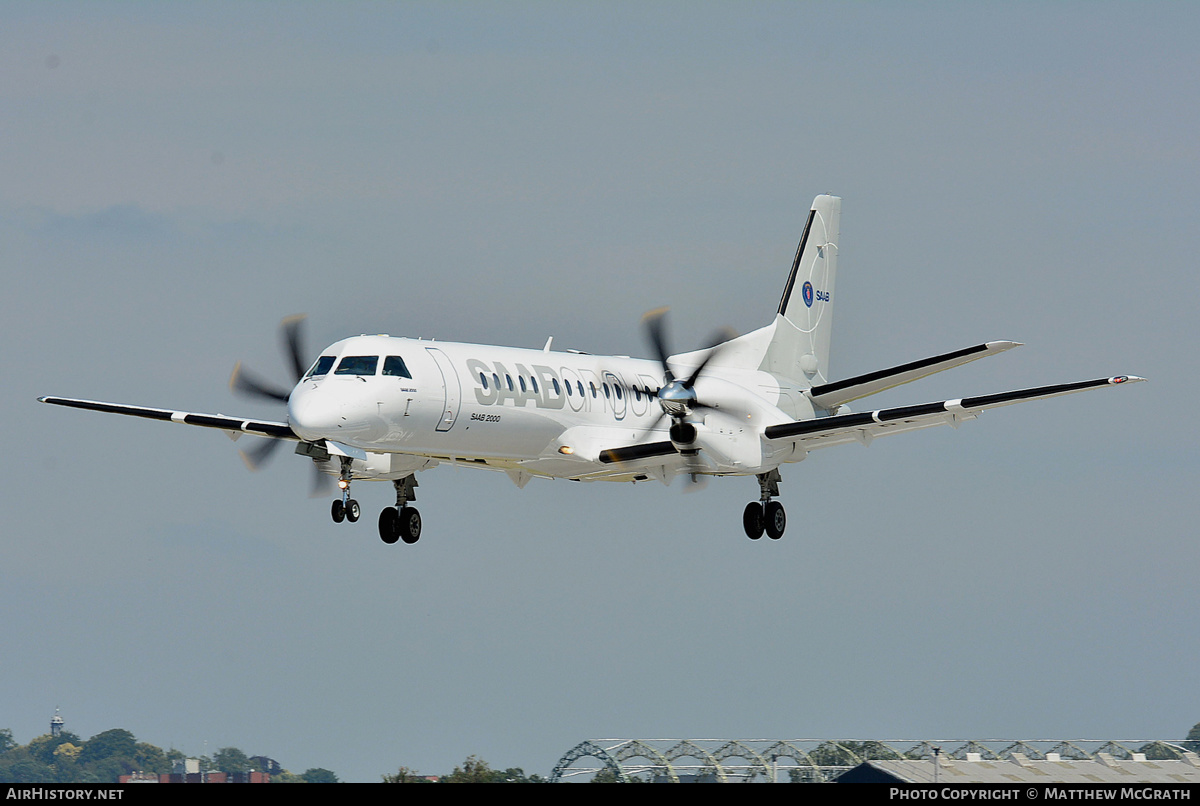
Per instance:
{"type": "Point", "coordinates": [677, 398]}
{"type": "Point", "coordinates": [247, 383]}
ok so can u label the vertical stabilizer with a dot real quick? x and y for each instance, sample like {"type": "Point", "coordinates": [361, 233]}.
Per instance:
{"type": "Point", "coordinates": [800, 347]}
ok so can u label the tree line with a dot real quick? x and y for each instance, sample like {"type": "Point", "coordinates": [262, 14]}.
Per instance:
{"type": "Point", "coordinates": [105, 757]}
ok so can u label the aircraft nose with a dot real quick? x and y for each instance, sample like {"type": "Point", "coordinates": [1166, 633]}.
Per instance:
{"type": "Point", "coordinates": [314, 416]}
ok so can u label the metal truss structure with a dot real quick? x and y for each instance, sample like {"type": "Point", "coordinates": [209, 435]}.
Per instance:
{"type": "Point", "coordinates": [814, 760]}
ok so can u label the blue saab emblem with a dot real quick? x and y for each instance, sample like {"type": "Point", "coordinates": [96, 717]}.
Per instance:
{"type": "Point", "coordinates": [807, 290]}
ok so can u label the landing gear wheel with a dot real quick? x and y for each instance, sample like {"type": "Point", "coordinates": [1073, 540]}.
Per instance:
{"type": "Point", "coordinates": [389, 523]}
{"type": "Point", "coordinates": [338, 511]}
{"type": "Point", "coordinates": [408, 524]}
{"type": "Point", "coordinates": [352, 511]}
{"type": "Point", "coordinates": [752, 520]}
{"type": "Point", "coordinates": [776, 520]}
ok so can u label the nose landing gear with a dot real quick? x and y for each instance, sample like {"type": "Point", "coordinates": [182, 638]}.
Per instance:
{"type": "Point", "coordinates": [345, 508]}
{"type": "Point", "coordinates": [765, 514]}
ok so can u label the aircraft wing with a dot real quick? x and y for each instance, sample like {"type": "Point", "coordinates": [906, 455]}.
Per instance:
{"type": "Point", "coordinates": [863, 427]}
{"type": "Point", "coordinates": [260, 428]}
{"type": "Point", "coordinates": [831, 395]}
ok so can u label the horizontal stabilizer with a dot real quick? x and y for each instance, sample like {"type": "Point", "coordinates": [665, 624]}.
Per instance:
{"type": "Point", "coordinates": [260, 428]}
{"type": "Point", "coordinates": [824, 431]}
{"type": "Point", "coordinates": [831, 395]}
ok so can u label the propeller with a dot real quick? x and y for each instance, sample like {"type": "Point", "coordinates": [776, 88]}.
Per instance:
{"type": "Point", "coordinates": [248, 384]}
{"type": "Point", "coordinates": [677, 398]}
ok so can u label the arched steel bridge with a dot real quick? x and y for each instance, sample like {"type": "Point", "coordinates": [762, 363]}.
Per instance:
{"type": "Point", "coordinates": [813, 760]}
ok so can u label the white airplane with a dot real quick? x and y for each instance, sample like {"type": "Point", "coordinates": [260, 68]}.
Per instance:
{"type": "Point", "coordinates": [383, 409]}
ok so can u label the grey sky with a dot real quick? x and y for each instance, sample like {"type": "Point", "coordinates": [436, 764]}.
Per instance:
{"type": "Point", "coordinates": [175, 179]}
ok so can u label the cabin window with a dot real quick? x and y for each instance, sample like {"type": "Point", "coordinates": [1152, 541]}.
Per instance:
{"type": "Point", "coordinates": [592, 386]}
{"type": "Point", "coordinates": [496, 381]}
{"type": "Point", "coordinates": [606, 395]}
{"type": "Point", "coordinates": [357, 365]}
{"type": "Point", "coordinates": [533, 382]}
{"type": "Point", "coordinates": [637, 394]}
{"type": "Point", "coordinates": [522, 381]}
{"type": "Point", "coordinates": [617, 389]}
{"type": "Point", "coordinates": [483, 380]}
{"type": "Point", "coordinates": [394, 365]}
{"type": "Point", "coordinates": [322, 367]}
{"type": "Point", "coordinates": [579, 386]}
{"type": "Point", "coordinates": [509, 379]}
{"type": "Point", "coordinates": [557, 390]}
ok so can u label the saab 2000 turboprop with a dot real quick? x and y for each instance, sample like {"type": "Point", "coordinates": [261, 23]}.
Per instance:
{"type": "Point", "coordinates": [383, 409]}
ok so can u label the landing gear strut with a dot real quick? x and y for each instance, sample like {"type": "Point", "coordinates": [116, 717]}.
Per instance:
{"type": "Point", "coordinates": [345, 508]}
{"type": "Point", "coordinates": [765, 514]}
{"type": "Point", "coordinates": [401, 522]}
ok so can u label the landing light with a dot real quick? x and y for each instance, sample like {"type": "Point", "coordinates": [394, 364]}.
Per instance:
{"type": "Point", "coordinates": [566, 450]}
{"type": "Point", "coordinates": [343, 484]}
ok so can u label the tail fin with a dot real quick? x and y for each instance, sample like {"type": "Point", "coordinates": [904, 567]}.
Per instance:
{"type": "Point", "coordinates": [800, 346]}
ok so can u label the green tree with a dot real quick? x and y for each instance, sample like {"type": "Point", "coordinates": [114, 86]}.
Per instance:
{"type": "Point", "coordinates": [116, 744]}
{"type": "Point", "coordinates": [19, 767]}
{"type": "Point", "coordinates": [319, 775]}
{"type": "Point", "coordinates": [151, 759]}
{"type": "Point", "coordinates": [476, 771]}
{"type": "Point", "coordinates": [6, 741]}
{"type": "Point", "coordinates": [405, 776]}
{"type": "Point", "coordinates": [1193, 739]}
{"type": "Point", "coordinates": [286, 777]}
{"type": "Point", "coordinates": [42, 748]}
{"type": "Point", "coordinates": [473, 771]}
{"type": "Point", "coordinates": [232, 760]}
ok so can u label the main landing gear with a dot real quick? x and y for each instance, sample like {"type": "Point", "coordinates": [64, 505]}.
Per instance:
{"type": "Point", "coordinates": [765, 514]}
{"type": "Point", "coordinates": [401, 522]}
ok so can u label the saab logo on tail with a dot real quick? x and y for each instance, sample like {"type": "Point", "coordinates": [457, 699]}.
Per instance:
{"type": "Point", "coordinates": [810, 294]}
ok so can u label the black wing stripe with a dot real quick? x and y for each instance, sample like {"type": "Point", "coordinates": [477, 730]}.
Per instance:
{"type": "Point", "coordinates": [802, 427]}
{"type": "Point", "coordinates": [632, 453]}
{"type": "Point", "coordinates": [1026, 394]}
{"type": "Point", "coordinates": [260, 427]}
{"type": "Point", "coordinates": [111, 408]}
{"type": "Point", "coordinates": [842, 421]}
{"type": "Point", "coordinates": [870, 377]}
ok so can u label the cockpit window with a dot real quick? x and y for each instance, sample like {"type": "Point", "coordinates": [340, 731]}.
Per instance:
{"type": "Point", "coordinates": [394, 365]}
{"type": "Point", "coordinates": [322, 367]}
{"type": "Point", "coordinates": [357, 365]}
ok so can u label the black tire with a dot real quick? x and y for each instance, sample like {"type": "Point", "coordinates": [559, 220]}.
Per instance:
{"type": "Point", "coordinates": [776, 520]}
{"type": "Point", "coordinates": [353, 511]}
{"type": "Point", "coordinates": [409, 525]}
{"type": "Point", "coordinates": [752, 520]}
{"type": "Point", "coordinates": [338, 511]}
{"type": "Point", "coordinates": [389, 523]}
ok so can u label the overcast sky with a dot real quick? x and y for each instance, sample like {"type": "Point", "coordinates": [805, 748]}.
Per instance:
{"type": "Point", "coordinates": [177, 178]}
